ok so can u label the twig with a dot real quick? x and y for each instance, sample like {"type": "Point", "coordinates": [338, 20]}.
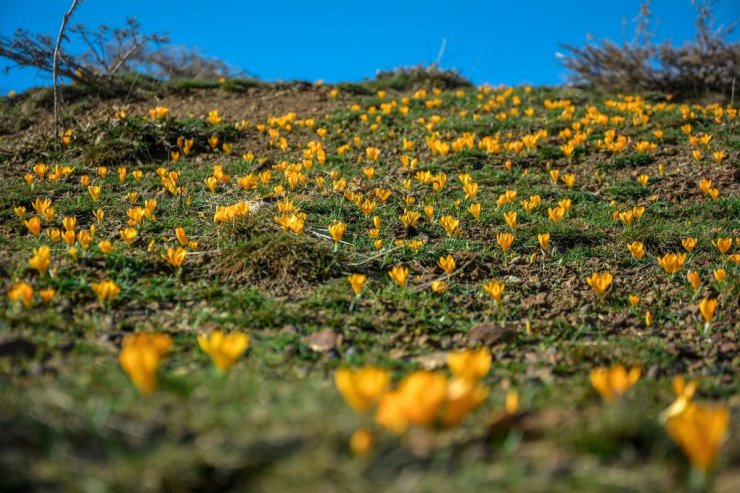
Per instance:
{"type": "Point", "coordinates": [55, 67]}
{"type": "Point", "coordinates": [732, 96]}
{"type": "Point", "coordinates": [457, 271]}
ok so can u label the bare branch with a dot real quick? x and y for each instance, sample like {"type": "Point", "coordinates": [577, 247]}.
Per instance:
{"type": "Point", "coordinates": [55, 67]}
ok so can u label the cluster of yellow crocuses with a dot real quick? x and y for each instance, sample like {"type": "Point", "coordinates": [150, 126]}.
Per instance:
{"type": "Point", "coordinates": [435, 400]}
{"type": "Point", "coordinates": [422, 398]}
{"type": "Point", "coordinates": [699, 429]}
{"type": "Point", "coordinates": [141, 354]}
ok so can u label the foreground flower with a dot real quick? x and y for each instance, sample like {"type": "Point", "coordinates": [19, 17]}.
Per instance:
{"type": "Point", "coordinates": [33, 225]}
{"type": "Point", "coordinates": [672, 262]}
{"type": "Point", "coordinates": [22, 292]}
{"type": "Point", "coordinates": [689, 244]}
{"type": "Point", "coordinates": [175, 256]}
{"type": "Point", "coordinates": [425, 398]}
{"type": "Point", "coordinates": [544, 240]}
{"type": "Point", "coordinates": [613, 382]}
{"type": "Point", "coordinates": [470, 365]}
{"type": "Point", "coordinates": [336, 231]}
{"type": "Point", "coordinates": [495, 289]}
{"type": "Point", "coordinates": [447, 264]}
{"type": "Point", "coordinates": [699, 430]}
{"type": "Point", "coordinates": [224, 349]}
{"type": "Point", "coordinates": [636, 249]}
{"type": "Point", "coordinates": [400, 275]}
{"type": "Point", "coordinates": [723, 244]}
{"type": "Point", "coordinates": [128, 235]}
{"type": "Point", "coordinates": [707, 307]}
{"type": "Point", "coordinates": [41, 259]}
{"type": "Point", "coordinates": [417, 401]}
{"type": "Point", "coordinates": [439, 286]}
{"type": "Point", "coordinates": [357, 281]}
{"type": "Point", "coordinates": [600, 282]}
{"type": "Point", "coordinates": [505, 240]}
{"type": "Point", "coordinates": [510, 218]}
{"type": "Point", "coordinates": [362, 388]}
{"type": "Point", "coordinates": [106, 291]}
{"type": "Point", "coordinates": [684, 392]}
{"type": "Point", "coordinates": [694, 279]}
{"type": "Point", "coordinates": [140, 356]}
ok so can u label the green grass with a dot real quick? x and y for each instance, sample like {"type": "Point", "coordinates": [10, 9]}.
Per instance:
{"type": "Point", "coordinates": [276, 421]}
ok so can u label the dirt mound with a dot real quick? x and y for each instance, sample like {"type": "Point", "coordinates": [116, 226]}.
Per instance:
{"type": "Point", "coordinates": [280, 263]}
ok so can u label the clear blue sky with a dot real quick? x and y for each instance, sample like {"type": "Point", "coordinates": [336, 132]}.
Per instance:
{"type": "Point", "coordinates": [508, 42]}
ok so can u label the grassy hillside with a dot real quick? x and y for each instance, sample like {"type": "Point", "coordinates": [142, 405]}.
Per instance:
{"type": "Point", "coordinates": [415, 175]}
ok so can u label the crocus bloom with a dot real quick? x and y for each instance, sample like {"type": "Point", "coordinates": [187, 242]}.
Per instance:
{"type": "Point", "coordinates": [462, 397]}
{"type": "Point", "coordinates": [475, 210]}
{"type": "Point", "coordinates": [182, 237]}
{"type": "Point", "coordinates": [470, 365]}
{"type": "Point", "coordinates": [510, 218]}
{"type": "Point", "coordinates": [422, 394]}
{"type": "Point", "coordinates": [22, 292]}
{"type": "Point", "coordinates": [684, 392]}
{"type": "Point", "coordinates": [94, 192]}
{"type": "Point", "coordinates": [41, 259]}
{"type": "Point", "coordinates": [33, 225]}
{"type": "Point", "coordinates": [362, 388]}
{"type": "Point", "coordinates": [139, 357]}
{"type": "Point", "coordinates": [357, 281]}
{"type": "Point", "coordinates": [672, 262]}
{"type": "Point", "coordinates": [544, 240]}
{"type": "Point", "coordinates": [636, 249]}
{"type": "Point", "coordinates": [723, 244]}
{"type": "Point", "coordinates": [106, 290]}
{"type": "Point", "coordinates": [505, 240]}
{"type": "Point", "coordinates": [613, 382]}
{"type": "Point", "coordinates": [224, 349]}
{"type": "Point", "coordinates": [47, 294]}
{"type": "Point", "coordinates": [689, 243]}
{"type": "Point", "coordinates": [707, 308]}
{"type": "Point", "coordinates": [694, 279]}
{"type": "Point", "coordinates": [699, 430]}
{"type": "Point", "coordinates": [555, 214]}
{"type": "Point", "coordinates": [447, 264]}
{"type": "Point", "coordinates": [495, 289]}
{"type": "Point", "coordinates": [439, 286]}
{"type": "Point", "coordinates": [175, 257]}
{"type": "Point", "coordinates": [449, 224]}
{"type": "Point", "coordinates": [337, 230]}
{"type": "Point", "coordinates": [400, 275]}
{"type": "Point", "coordinates": [600, 282]}
{"type": "Point", "coordinates": [128, 235]}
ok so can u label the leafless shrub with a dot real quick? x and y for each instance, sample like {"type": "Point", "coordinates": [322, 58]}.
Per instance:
{"type": "Point", "coordinates": [709, 63]}
{"type": "Point", "coordinates": [110, 53]}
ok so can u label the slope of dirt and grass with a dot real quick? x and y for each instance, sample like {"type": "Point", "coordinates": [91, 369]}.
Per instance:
{"type": "Point", "coordinates": [72, 421]}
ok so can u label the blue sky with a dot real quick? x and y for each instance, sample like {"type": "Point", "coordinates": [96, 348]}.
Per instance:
{"type": "Point", "coordinates": [510, 42]}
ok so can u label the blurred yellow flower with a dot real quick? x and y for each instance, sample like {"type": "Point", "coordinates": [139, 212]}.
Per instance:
{"type": "Point", "coordinates": [600, 282]}
{"type": "Point", "coordinates": [363, 387]}
{"type": "Point", "coordinates": [224, 349]}
{"type": "Point", "coordinates": [699, 430]}
{"type": "Point", "coordinates": [468, 364]}
{"type": "Point", "coordinates": [400, 275]}
{"type": "Point", "coordinates": [357, 281]}
{"type": "Point", "coordinates": [613, 382]}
